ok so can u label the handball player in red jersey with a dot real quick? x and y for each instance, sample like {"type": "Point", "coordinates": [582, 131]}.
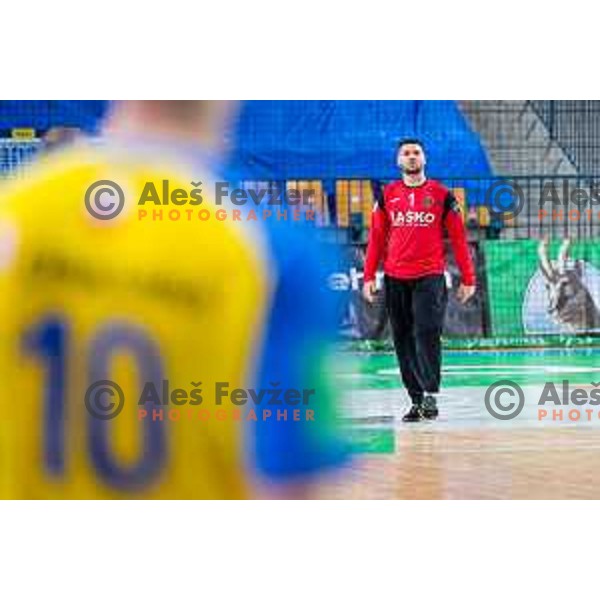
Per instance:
{"type": "Point", "coordinates": [407, 234]}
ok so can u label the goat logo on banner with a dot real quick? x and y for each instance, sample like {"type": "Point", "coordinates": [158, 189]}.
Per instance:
{"type": "Point", "coordinates": [563, 295]}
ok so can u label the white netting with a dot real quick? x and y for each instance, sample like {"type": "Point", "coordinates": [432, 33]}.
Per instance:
{"type": "Point", "coordinates": [16, 155]}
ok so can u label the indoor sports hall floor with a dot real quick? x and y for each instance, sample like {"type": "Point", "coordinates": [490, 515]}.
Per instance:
{"type": "Point", "coordinates": [467, 453]}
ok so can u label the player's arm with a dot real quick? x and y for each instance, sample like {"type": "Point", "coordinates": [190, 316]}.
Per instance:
{"type": "Point", "coordinates": [378, 235]}
{"type": "Point", "coordinates": [290, 456]}
{"type": "Point", "coordinates": [454, 224]}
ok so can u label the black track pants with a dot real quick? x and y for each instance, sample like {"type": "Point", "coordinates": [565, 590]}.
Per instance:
{"type": "Point", "coordinates": [416, 308]}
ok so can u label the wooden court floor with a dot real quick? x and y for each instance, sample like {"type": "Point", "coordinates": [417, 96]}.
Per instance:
{"type": "Point", "coordinates": [557, 463]}
{"type": "Point", "coordinates": [468, 453]}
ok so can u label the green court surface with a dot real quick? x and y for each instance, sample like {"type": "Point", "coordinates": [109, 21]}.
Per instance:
{"type": "Point", "coordinates": [374, 399]}
{"type": "Point", "coordinates": [477, 368]}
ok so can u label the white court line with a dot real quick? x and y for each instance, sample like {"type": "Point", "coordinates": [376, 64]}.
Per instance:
{"type": "Point", "coordinates": [475, 368]}
{"type": "Point", "coordinates": [502, 370]}
{"type": "Point", "coordinates": [506, 449]}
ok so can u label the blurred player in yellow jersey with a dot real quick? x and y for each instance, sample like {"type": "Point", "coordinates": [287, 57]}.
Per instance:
{"type": "Point", "coordinates": [122, 338]}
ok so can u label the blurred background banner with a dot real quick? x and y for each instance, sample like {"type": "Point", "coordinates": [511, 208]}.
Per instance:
{"type": "Point", "coordinates": [339, 139]}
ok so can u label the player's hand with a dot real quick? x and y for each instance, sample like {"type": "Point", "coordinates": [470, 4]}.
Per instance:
{"type": "Point", "coordinates": [465, 293]}
{"type": "Point", "coordinates": [369, 291]}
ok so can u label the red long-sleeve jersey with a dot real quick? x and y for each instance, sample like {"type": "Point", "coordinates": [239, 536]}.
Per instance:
{"type": "Point", "coordinates": [407, 232]}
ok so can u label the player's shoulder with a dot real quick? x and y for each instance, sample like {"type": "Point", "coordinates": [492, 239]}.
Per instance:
{"type": "Point", "coordinates": [41, 180]}
{"type": "Point", "coordinates": [437, 187]}
{"type": "Point", "coordinates": [297, 251]}
{"type": "Point", "coordinates": [393, 187]}
{"type": "Point", "coordinates": [49, 165]}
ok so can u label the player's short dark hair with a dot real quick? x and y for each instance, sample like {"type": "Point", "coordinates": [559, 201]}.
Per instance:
{"type": "Point", "coordinates": [405, 141]}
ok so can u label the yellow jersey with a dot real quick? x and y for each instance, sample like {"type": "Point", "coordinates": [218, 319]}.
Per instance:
{"type": "Point", "coordinates": [129, 340]}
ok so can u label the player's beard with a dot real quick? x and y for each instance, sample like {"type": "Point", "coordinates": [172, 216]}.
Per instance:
{"type": "Point", "coordinates": [413, 171]}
